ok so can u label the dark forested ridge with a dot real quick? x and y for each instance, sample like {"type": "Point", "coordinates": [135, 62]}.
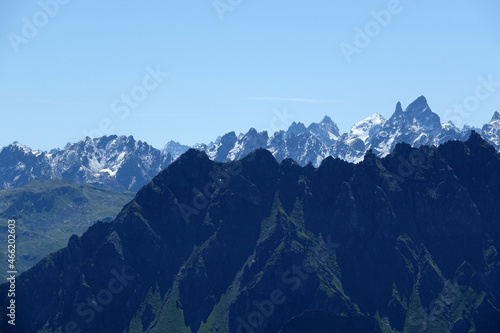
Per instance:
{"type": "Point", "coordinates": [403, 243]}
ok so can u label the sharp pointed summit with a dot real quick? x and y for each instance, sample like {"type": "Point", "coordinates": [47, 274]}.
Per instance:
{"type": "Point", "coordinates": [418, 105]}
{"type": "Point", "coordinates": [399, 109]}
{"type": "Point", "coordinates": [416, 125]}
{"type": "Point", "coordinates": [496, 116]}
{"type": "Point", "coordinates": [491, 130]}
{"type": "Point", "coordinates": [326, 131]}
{"type": "Point", "coordinates": [327, 120]}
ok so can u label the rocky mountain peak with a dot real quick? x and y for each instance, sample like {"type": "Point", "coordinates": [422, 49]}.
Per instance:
{"type": "Point", "coordinates": [192, 155]}
{"type": "Point", "coordinates": [326, 130]}
{"type": "Point", "coordinates": [296, 128]}
{"type": "Point", "coordinates": [174, 148]}
{"type": "Point", "coordinates": [16, 145]}
{"type": "Point", "coordinates": [418, 105]}
{"type": "Point", "coordinates": [496, 117]}
{"type": "Point", "coordinates": [476, 139]}
{"type": "Point", "coordinates": [327, 121]}
{"type": "Point", "coordinates": [260, 155]}
{"type": "Point", "coordinates": [421, 114]}
{"type": "Point", "coordinates": [398, 109]}
{"type": "Point", "coordinates": [230, 138]}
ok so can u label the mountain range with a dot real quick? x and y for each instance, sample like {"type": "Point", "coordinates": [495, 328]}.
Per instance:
{"type": "Point", "coordinates": [114, 162]}
{"type": "Point", "coordinates": [124, 164]}
{"type": "Point", "coordinates": [404, 243]}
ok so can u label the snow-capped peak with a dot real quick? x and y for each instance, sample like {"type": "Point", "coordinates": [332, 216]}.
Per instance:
{"type": "Point", "coordinates": [449, 126]}
{"type": "Point", "coordinates": [16, 145]}
{"type": "Point", "coordinates": [491, 130]}
{"type": "Point", "coordinates": [326, 130]}
{"type": "Point", "coordinates": [362, 130]}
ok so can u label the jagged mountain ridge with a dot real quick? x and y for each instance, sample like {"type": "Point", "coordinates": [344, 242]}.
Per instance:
{"type": "Point", "coordinates": [416, 125]}
{"type": "Point", "coordinates": [405, 243]}
{"type": "Point", "coordinates": [121, 163]}
{"type": "Point", "coordinates": [118, 163]}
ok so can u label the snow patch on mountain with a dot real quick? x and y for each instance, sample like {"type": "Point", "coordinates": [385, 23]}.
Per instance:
{"type": "Point", "coordinates": [491, 130]}
{"type": "Point", "coordinates": [118, 163]}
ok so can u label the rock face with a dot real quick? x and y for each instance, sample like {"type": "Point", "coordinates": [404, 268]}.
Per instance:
{"type": "Point", "coordinates": [491, 130]}
{"type": "Point", "coordinates": [417, 125]}
{"type": "Point", "coordinates": [404, 243]}
{"type": "Point", "coordinates": [112, 162]}
{"type": "Point", "coordinates": [20, 165]}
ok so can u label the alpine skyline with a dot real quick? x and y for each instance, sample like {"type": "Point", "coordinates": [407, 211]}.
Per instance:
{"type": "Point", "coordinates": [174, 71]}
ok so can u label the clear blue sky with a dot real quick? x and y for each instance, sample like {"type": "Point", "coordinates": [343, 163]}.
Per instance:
{"type": "Point", "coordinates": [68, 78]}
